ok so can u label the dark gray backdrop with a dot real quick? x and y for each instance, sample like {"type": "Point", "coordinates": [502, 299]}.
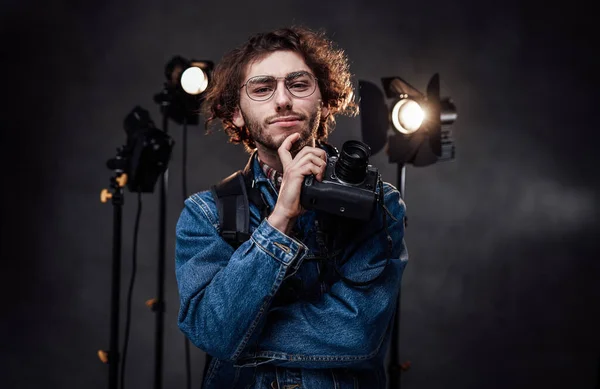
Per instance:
{"type": "Point", "coordinates": [502, 286]}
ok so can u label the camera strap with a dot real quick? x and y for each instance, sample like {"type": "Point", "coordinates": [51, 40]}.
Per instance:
{"type": "Point", "coordinates": [344, 236]}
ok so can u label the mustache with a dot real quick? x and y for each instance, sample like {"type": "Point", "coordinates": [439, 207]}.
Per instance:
{"type": "Point", "coordinates": [274, 117]}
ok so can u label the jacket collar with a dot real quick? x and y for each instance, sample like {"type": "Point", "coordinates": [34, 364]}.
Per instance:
{"type": "Point", "coordinates": [256, 178]}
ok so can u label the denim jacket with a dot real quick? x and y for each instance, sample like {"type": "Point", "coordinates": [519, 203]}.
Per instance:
{"type": "Point", "coordinates": [273, 313]}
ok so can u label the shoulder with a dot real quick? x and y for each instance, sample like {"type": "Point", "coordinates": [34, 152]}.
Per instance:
{"type": "Point", "coordinates": [393, 200]}
{"type": "Point", "coordinates": [389, 189]}
{"type": "Point", "coordinates": [200, 206]}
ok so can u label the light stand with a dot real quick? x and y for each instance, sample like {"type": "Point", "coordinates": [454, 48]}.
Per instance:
{"type": "Point", "coordinates": [157, 305]}
{"type": "Point", "coordinates": [396, 368]}
{"type": "Point", "coordinates": [179, 100]}
{"type": "Point", "coordinates": [137, 165]}
{"type": "Point", "coordinates": [111, 357]}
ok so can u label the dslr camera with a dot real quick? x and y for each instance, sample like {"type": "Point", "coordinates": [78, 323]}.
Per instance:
{"type": "Point", "coordinates": [349, 185]}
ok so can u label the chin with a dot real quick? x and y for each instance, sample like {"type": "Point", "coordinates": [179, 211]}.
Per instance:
{"type": "Point", "coordinates": [305, 138]}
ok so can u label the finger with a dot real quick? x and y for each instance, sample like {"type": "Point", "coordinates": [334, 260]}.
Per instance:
{"type": "Point", "coordinates": [314, 164]}
{"type": "Point", "coordinates": [284, 150]}
{"type": "Point", "coordinates": [312, 150]}
{"type": "Point", "coordinates": [311, 159]}
{"type": "Point", "coordinates": [310, 169]}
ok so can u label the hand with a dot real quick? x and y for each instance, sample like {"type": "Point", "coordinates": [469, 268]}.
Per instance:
{"type": "Point", "coordinates": [310, 160]}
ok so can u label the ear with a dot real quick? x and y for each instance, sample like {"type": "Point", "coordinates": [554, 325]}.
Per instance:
{"type": "Point", "coordinates": [238, 119]}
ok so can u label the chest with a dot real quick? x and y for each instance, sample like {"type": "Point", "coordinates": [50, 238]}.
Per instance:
{"type": "Point", "coordinates": [317, 272]}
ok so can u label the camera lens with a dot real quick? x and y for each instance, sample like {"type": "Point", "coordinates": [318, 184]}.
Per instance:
{"type": "Point", "coordinates": [351, 167]}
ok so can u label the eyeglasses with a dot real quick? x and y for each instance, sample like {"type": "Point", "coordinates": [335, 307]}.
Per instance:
{"type": "Point", "coordinates": [299, 84]}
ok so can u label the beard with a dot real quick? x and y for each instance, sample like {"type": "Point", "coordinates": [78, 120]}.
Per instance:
{"type": "Point", "coordinates": [261, 136]}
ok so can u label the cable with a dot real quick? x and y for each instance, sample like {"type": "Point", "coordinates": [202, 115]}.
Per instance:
{"type": "Point", "coordinates": [598, 383]}
{"type": "Point", "coordinates": [130, 291]}
{"type": "Point", "coordinates": [184, 161]}
{"type": "Point", "coordinates": [188, 369]}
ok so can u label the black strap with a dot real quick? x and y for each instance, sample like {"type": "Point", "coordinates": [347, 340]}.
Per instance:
{"type": "Point", "coordinates": [233, 208]}
{"type": "Point", "coordinates": [232, 197]}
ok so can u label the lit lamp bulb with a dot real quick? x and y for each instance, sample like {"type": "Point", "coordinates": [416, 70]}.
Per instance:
{"type": "Point", "coordinates": [407, 116]}
{"type": "Point", "coordinates": [194, 80]}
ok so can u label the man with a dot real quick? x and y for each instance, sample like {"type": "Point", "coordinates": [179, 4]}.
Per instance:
{"type": "Point", "coordinates": [296, 305]}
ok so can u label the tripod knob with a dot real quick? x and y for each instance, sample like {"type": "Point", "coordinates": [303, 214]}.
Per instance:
{"type": "Point", "coordinates": [405, 366]}
{"type": "Point", "coordinates": [155, 305]}
{"type": "Point", "coordinates": [103, 355]}
{"type": "Point", "coordinates": [151, 303]}
{"type": "Point", "coordinates": [122, 180]}
{"type": "Point", "coordinates": [105, 195]}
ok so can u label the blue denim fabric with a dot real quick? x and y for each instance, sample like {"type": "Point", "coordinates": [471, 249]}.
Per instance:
{"type": "Point", "coordinates": [272, 314]}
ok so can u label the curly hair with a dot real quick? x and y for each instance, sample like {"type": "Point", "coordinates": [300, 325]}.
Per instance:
{"type": "Point", "coordinates": [329, 65]}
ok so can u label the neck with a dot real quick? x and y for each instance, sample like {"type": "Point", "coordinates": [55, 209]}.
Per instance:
{"type": "Point", "coordinates": [269, 157]}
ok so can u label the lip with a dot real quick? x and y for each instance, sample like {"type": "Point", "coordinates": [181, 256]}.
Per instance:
{"type": "Point", "coordinates": [287, 123]}
{"type": "Point", "coordinates": [286, 120]}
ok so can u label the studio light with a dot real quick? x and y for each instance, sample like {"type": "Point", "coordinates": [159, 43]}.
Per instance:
{"type": "Point", "coordinates": [420, 123]}
{"type": "Point", "coordinates": [407, 115]}
{"type": "Point", "coordinates": [146, 154]}
{"type": "Point", "coordinates": [191, 76]}
{"type": "Point", "coordinates": [183, 93]}
{"type": "Point", "coordinates": [413, 129]}
{"type": "Point", "coordinates": [194, 80]}
{"type": "Point", "coordinates": [180, 100]}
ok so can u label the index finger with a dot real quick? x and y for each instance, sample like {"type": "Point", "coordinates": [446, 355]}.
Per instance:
{"type": "Point", "coordinates": [284, 150]}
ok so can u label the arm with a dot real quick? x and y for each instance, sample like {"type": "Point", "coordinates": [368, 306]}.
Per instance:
{"type": "Point", "coordinates": [225, 293]}
{"type": "Point", "coordinates": [349, 324]}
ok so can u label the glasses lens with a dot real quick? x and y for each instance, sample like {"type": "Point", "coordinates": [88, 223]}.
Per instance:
{"type": "Point", "coordinates": [261, 87]}
{"type": "Point", "coordinates": [301, 85]}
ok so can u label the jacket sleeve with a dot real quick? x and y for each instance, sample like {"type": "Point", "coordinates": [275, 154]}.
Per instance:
{"type": "Point", "coordinates": [224, 294]}
{"type": "Point", "coordinates": [349, 323]}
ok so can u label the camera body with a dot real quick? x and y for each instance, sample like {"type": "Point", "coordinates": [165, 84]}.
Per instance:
{"type": "Point", "coordinates": [349, 186]}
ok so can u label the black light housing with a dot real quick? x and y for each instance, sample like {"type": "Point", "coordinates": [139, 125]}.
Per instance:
{"type": "Point", "coordinates": [420, 142]}
{"type": "Point", "coordinates": [186, 82]}
{"type": "Point", "coordinates": [146, 154]}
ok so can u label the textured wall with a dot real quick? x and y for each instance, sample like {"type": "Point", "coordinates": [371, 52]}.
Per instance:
{"type": "Point", "coordinates": [501, 290]}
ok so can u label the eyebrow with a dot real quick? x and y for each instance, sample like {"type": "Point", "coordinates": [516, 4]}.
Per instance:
{"type": "Point", "coordinates": [259, 79]}
{"type": "Point", "coordinates": [297, 74]}
{"type": "Point", "coordinates": [289, 76]}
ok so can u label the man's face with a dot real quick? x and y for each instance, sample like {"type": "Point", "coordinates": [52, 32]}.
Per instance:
{"type": "Point", "coordinates": [272, 120]}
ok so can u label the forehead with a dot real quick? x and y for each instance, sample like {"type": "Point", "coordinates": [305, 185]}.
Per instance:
{"type": "Point", "coordinates": [277, 64]}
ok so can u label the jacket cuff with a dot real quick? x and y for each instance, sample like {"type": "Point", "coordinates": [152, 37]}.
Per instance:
{"type": "Point", "coordinates": [278, 245]}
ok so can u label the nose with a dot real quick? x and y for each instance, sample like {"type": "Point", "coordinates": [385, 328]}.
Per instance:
{"type": "Point", "coordinates": [283, 98]}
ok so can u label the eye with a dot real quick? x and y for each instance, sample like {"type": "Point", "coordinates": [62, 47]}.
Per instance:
{"type": "Point", "coordinates": [262, 89]}
{"type": "Point", "coordinates": [298, 85]}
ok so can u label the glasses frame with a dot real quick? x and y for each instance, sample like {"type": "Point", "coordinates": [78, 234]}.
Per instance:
{"type": "Point", "coordinates": [300, 73]}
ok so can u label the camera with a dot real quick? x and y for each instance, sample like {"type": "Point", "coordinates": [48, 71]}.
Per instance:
{"type": "Point", "coordinates": [349, 186]}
